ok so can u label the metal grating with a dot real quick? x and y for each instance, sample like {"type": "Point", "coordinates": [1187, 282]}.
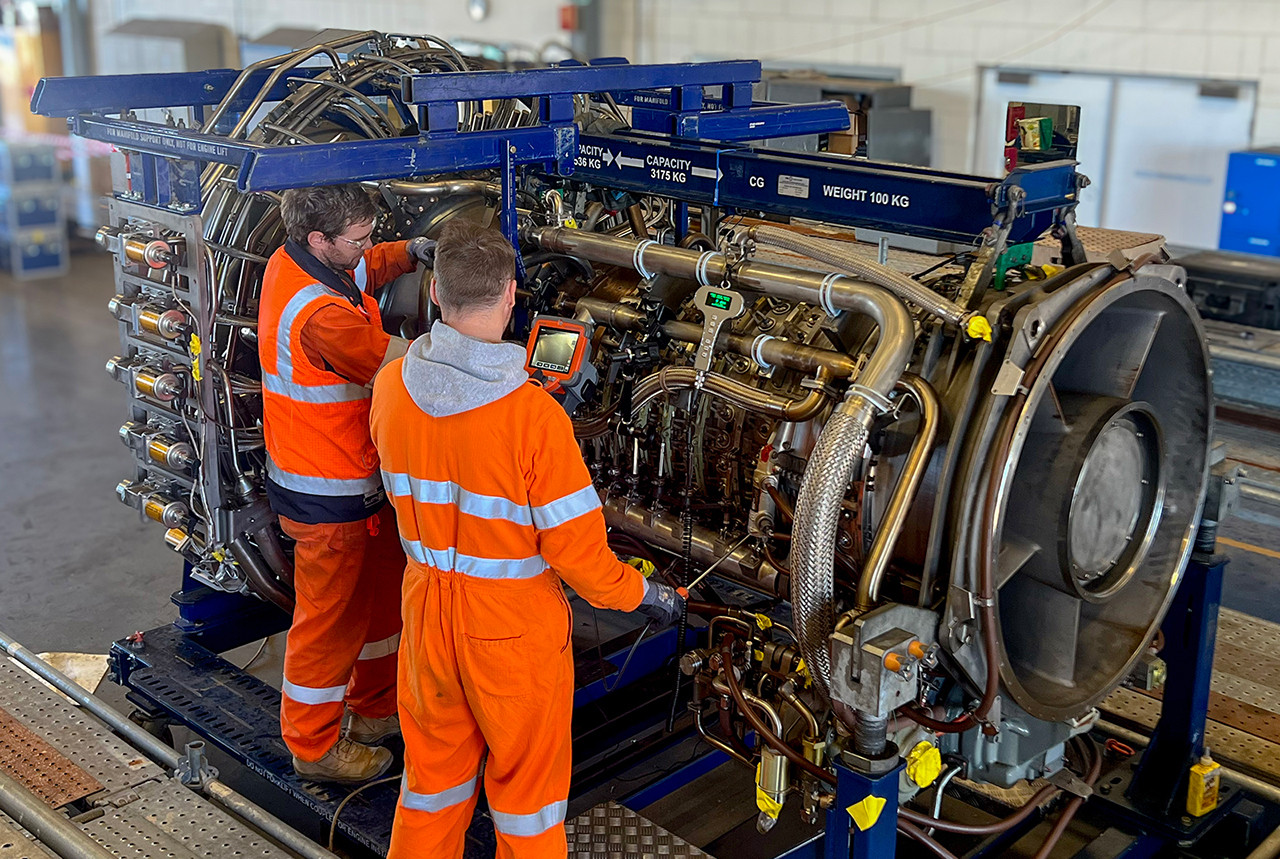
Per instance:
{"type": "Point", "coordinates": [613, 832]}
{"type": "Point", "coordinates": [36, 764]}
{"type": "Point", "coordinates": [168, 821]}
{"type": "Point", "coordinates": [1235, 748]}
{"type": "Point", "coordinates": [73, 733]}
{"type": "Point", "coordinates": [17, 844]}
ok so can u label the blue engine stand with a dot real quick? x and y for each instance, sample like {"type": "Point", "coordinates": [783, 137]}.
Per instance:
{"type": "Point", "coordinates": [1149, 793]}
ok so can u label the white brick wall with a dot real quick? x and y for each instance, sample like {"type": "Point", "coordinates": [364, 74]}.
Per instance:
{"type": "Point", "coordinates": [527, 22]}
{"type": "Point", "coordinates": [938, 44]}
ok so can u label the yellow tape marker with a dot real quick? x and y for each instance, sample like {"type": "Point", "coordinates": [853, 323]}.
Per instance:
{"type": "Point", "coordinates": [866, 812]}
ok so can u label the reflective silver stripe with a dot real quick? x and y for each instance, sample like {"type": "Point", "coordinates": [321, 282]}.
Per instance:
{"type": "Point", "coordinates": [314, 695]}
{"type": "Point", "coordinates": [361, 274]}
{"type": "Point", "coordinates": [447, 492]}
{"type": "Point", "coordinates": [295, 305]}
{"type": "Point", "coordinates": [322, 485]}
{"type": "Point", "coordinates": [437, 801]}
{"type": "Point", "coordinates": [379, 649]}
{"type": "Point", "coordinates": [565, 509]}
{"type": "Point", "coordinates": [480, 568]}
{"type": "Point", "coordinates": [343, 393]}
{"type": "Point", "coordinates": [530, 824]}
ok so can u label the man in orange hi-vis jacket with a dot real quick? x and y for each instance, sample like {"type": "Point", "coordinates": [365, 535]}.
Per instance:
{"type": "Point", "coordinates": [320, 341]}
{"type": "Point", "coordinates": [495, 507]}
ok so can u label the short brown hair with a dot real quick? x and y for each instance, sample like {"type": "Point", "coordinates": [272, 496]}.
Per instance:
{"type": "Point", "coordinates": [473, 266]}
{"type": "Point", "coordinates": [328, 208]}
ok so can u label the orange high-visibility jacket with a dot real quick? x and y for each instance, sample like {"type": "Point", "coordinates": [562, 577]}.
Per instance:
{"type": "Point", "coordinates": [315, 422]}
{"type": "Point", "coordinates": [485, 474]}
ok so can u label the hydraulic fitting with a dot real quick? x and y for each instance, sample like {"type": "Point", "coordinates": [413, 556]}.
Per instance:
{"type": "Point", "coordinates": [169, 323]}
{"type": "Point", "coordinates": [137, 249]}
{"type": "Point", "coordinates": [150, 382]}
{"type": "Point", "coordinates": [152, 503]}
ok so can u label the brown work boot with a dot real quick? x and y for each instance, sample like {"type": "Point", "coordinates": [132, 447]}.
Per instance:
{"type": "Point", "coordinates": [364, 729]}
{"type": "Point", "coordinates": [347, 762]}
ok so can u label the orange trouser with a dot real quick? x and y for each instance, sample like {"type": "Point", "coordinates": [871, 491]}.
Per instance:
{"type": "Point", "coordinates": [346, 628]}
{"type": "Point", "coordinates": [484, 662]}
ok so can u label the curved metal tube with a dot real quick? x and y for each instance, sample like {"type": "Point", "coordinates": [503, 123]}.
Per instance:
{"type": "Point", "coordinates": [263, 582]}
{"type": "Point", "coordinates": [774, 350]}
{"type": "Point", "coordinates": [895, 281]}
{"type": "Point", "coordinates": [443, 188]}
{"type": "Point", "coordinates": [671, 379]}
{"type": "Point", "coordinates": [841, 443]}
{"type": "Point", "coordinates": [904, 494]}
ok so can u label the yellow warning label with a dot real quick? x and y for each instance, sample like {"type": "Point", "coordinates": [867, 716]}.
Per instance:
{"type": "Point", "coordinates": [866, 812]}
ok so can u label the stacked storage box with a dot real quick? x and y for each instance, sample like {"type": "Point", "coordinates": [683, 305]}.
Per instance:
{"type": "Point", "coordinates": [33, 229]}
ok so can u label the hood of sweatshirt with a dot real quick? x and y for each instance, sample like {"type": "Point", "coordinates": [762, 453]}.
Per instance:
{"type": "Point", "coordinates": [447, 372]}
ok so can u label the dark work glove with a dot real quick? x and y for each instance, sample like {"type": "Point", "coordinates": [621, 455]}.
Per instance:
{"type": "Point", "coordinates": [661, 604]}
{"type": "Point", "coordinates": [424, 249]}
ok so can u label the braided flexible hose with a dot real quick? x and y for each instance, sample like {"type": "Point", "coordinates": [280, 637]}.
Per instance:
{"type": "Point", "coordinates": [823, 487]}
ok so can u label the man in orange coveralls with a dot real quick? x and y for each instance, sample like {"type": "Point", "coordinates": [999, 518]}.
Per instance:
{"type": "Point", "coordinates": [495, 507]}
{"type": "Point", "coordinates": [320, 341]}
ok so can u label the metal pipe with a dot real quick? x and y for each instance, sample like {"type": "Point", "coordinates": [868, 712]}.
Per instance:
{"type": "Point", "coordinates": [760, 704]}
{"type": "Point", "coordinates": [671, 379]}
{"type": "Point", "coordinates": [904, 494]}
{"type": "Point", "coordinates": [443, 188]}
{"type": "Point", "coordinates": [1262, 360]}
{"type": "Point", "coordinates": [260, 577]}
{"type": "Point", "coordinates": [665, 531]}
{"type": "Point", "coordinates": [50, 828]}
{"type": "Point", "coordinates": [1269, 848]}
{"type": "Point", "coordinates": [897, 329]}
{"type": "Point", "coordinates": [1259, 491]}
{"type": "Point", "coordinates": [774, 350]}
{"type": "Point", "coordinates": [163, 754]}
{"type": "Point", "coordinates": [895, 281]}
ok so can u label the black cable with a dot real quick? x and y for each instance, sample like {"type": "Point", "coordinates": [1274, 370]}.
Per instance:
{"type": "Point", "coordinates": [686, 528]}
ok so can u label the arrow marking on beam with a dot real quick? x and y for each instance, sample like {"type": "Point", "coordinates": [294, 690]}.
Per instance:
{"type": "Point", "coordinates": [706, 172]}
{"type": "Point", "coordinates": [624, 161]}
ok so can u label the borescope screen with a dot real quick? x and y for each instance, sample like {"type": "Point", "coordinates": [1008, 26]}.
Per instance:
{"type": "Point", "coordinates": [553, 350]}
{"type": "Point", "coordinates": [719, 300]}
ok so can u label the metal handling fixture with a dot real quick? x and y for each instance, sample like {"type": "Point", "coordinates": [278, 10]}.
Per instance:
{"type": "Point", "coordinates": [947, 498]}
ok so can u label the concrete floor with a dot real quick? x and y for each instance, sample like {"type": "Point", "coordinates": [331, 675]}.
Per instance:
{"type": "Point", "coordinates": [77, 568]}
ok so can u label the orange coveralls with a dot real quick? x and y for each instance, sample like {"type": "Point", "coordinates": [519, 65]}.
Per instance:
{"type": "Point", "coordinates": [495, 507]}
{"type": "Point", "coordinates": [319, 351]}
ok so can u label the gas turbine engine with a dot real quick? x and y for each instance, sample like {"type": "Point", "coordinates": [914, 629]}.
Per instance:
{"type": "Point", "coordinates": [930, 508]}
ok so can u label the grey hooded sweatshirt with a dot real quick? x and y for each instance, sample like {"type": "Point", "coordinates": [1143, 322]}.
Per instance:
{"type": "Point", "coordinates": [447, 372]}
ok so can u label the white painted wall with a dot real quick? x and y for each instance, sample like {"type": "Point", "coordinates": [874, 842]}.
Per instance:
{"type": "Point", "coordinates": [938, 44]}
{"type": "Point", "coordinates": [527, 22]}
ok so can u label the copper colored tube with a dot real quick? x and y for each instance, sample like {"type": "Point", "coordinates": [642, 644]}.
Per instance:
{"type": "Point", "coordinates": [919, 836]}
{"type": "Point", "coordinates": [780, 501]}
{"type": "Point", "coordinates": [1095, 768]}
{"type": "Point", "coordinates": [921, 819]}
{"type": "Point", "coordinates": [760, 727]}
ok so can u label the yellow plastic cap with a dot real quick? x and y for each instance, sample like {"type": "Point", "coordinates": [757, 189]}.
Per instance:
{"type": "Point", "coordinates": [924, 764]}
{"type": "Point", "coordinates": [866, 812]}
{"type": "Point", "coordinates": [645, 568]}
{"type": "Point", "coordinates": [978, 328]}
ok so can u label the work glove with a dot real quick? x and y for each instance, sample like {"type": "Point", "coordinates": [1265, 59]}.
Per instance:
{"type": "Point", "coordinates": [661, 604]}
{"type": "Point", "coordinates": [423, 249]}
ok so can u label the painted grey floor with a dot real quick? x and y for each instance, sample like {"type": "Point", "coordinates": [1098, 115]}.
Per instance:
{"type": "Point", "coordinates": [77, 568]}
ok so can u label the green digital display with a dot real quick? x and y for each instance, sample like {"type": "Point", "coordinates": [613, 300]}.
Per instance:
{"type": "Point", "coordinates": [719, 300]}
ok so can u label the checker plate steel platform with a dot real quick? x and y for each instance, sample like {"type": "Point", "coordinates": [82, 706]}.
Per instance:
{"type": "Point", "coordinates": [39, 766]}
{"type": "Point", "coordinates": [72, 732]}
{"type": "Point", "coordinates": [613, 832]}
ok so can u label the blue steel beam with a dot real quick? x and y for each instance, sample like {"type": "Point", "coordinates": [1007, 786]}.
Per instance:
{"type": "Point", "coordinates": [114, 93]}
{"type": "Point", "coordinates": [765, 121]}
{"type": "Point", "coordinates": [273, 168]}
{"type": "Point", "coordinates": [280, 167]}
{"type": "Point", "coordinates": [604, 77]}
{"type": "Point", "coordinates": [156, 139]}
{"type": "Point", "coordinates": [892, 197]}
